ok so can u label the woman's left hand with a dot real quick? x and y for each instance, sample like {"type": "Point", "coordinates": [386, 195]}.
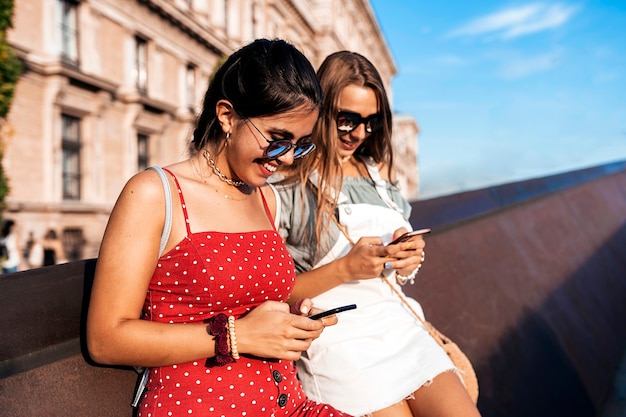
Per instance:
{"type": "Point", "coordinates": [304, 307]}
{"type": "Point", "coordinates": [406, 256]}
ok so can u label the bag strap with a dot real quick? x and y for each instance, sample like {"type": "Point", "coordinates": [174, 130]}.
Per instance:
{"type": "Point", "coordinates": [165, 235]}
{"type": "Point", "coordinates": [167, 226]}
{"type": "Point", "coordinates": [431, 329]}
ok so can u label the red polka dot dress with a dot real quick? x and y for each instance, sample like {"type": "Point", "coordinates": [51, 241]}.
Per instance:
{"type": "Point", "coordinates": [209, 273]}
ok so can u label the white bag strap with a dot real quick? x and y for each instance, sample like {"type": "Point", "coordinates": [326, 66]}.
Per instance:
{"type": "Point", "coordinates": [167, 226]}
{"type": "Point", "coordinates": [165, 235]}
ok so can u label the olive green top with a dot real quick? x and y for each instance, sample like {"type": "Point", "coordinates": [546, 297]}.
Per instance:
{"type": "Point", "coordinates": [297, 217]}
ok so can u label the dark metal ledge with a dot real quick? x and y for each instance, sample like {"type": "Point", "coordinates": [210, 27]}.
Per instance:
{"type": "Point", "coordinates": [446, 211]}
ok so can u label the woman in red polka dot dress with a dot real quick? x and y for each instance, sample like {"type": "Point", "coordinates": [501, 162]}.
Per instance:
{"type": "Point", "coordinates": [202, 263]}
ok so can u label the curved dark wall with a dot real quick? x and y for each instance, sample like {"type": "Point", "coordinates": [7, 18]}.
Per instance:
{"type": "Point", "coordinates": [528, 278]}
{"type": "Point", "coordinates": [44, 366]}
{"type": "Point", "coordinates": [534, 292]}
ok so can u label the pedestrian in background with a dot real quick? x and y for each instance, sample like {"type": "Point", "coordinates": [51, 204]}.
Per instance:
{"type": "Point", "coordinates": [9, 247]}
{"type": "Point", "coordinates": [53, 252]}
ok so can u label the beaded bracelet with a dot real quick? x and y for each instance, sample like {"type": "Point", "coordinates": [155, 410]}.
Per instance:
{"type": "Point", "coordinates": [401, 279]}
{"type": "Point", "coordinates": [409, 278]}
{"type": "Point", "coordinates": [218, 329]}
{"type": "Point", "coordinates": [232, 337]}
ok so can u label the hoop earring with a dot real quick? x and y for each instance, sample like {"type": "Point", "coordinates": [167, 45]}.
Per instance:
{"type": "Point", "coordinates": [227, 135]}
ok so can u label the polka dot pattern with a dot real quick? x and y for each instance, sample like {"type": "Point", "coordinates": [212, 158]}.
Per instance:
{"type": "Point", "coordinates": [210, 273]}
{"type": "Point", "coordinates": [232, 273]}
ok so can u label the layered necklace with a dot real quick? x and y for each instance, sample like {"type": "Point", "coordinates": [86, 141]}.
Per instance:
{"type": "Point", "coordinates": [222, 177]}
{"type": "Point", "coordinates": [211, 162]}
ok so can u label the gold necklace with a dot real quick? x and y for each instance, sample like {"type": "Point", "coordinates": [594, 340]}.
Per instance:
{"type": "Point", "coordinates": [230, 197]}
{"type": "Point", "coordinates": [211, 162]}
{"type": "Point", "coordinates": [196, 168]}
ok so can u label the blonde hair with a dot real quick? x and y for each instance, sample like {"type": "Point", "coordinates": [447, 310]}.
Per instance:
{"type": "Point", "coordinates": [339, 70]}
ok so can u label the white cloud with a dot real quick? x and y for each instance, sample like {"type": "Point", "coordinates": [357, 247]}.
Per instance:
{"type": "Point", "coordinates": [449, 60]}
{"type": "Point", "coordinates": [518, 21]}
{"type": "Point", "coordinates": [522, 67]}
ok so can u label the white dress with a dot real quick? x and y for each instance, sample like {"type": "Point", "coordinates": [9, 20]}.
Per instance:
{"type": "Point", "coordinates": [379, 353]}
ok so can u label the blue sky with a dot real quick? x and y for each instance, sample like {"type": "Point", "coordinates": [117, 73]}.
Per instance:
{"type": "Point", "coordinates": [508, 90]}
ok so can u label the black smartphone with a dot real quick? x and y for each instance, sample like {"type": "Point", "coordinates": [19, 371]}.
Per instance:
{"type": "Point", "coordinates": [409, 235]}
{"type": "Point", "coordinates": [332, 311]}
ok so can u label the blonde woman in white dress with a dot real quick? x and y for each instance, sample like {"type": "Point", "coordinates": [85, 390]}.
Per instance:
{"type": "Point", "coordinates": [379, 360]}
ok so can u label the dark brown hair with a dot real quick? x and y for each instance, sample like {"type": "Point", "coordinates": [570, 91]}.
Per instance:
{"type": "Point", "coordinates": [264, 78]}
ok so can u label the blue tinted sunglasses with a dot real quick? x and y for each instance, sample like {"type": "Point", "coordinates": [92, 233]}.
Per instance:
{"type": "Point", "coordinates": [279, 147]}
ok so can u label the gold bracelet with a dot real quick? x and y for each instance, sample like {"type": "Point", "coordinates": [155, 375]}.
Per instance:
{"type": "Point", "coordinates": [233, 338]}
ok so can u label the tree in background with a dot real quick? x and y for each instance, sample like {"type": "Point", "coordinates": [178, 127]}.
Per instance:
{"type": "Point", "coordinates": [10, 70]}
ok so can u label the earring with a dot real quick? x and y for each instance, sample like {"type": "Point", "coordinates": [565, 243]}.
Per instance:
{"type": "Point", "coordinates": [227, 135]}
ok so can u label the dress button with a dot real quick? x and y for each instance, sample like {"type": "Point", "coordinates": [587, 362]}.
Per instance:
{"type": "Point", "coordinates": [282, 400]}
{"type": "Point", "coordinates": [277, 376]}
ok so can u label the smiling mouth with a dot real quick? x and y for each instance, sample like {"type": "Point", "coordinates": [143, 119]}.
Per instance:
{"type": "Point", "coordinates": [269, 167]}
{"type": "Point", "coordinates": [350, 143]}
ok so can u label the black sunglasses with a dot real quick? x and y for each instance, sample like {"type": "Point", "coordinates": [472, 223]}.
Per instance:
{"type": "Point", "coordinates": [347, 121]}
{"type": "Point", "coordinates": [279, 147]}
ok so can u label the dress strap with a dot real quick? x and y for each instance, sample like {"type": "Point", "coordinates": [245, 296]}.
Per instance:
{"type": "Point", "coordinates": [314, 179]}
{"type": "Point", "coordinates": [381, 184]}
{"type": "Point", "coordinates": [267, 209]}
{"type": "Point", "coordinates": [182, 200]}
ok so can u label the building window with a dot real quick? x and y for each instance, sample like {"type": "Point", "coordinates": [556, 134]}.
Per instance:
{"type": "Point", "coordinates": [70, 139]}
{"type": "Point", "coordinates": [68, 30]}
{"type": "Point", "coordinates": [190, 83]}
{"type": "Point", "coordinates": [73, 244]}
{"type": "Point", "coordinates": [141, 65]}
{"type": "Point", "coordinates": [142, 151]}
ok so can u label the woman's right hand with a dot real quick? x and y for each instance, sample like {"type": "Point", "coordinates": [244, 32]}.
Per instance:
{"type": "Point", "coordinates": [365, 260]}
{"type": "Point", "coordinates": [271, 331]}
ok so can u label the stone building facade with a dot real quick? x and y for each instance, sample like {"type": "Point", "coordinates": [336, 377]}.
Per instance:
{"type": "Point", "coordinates": [112, 86]}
